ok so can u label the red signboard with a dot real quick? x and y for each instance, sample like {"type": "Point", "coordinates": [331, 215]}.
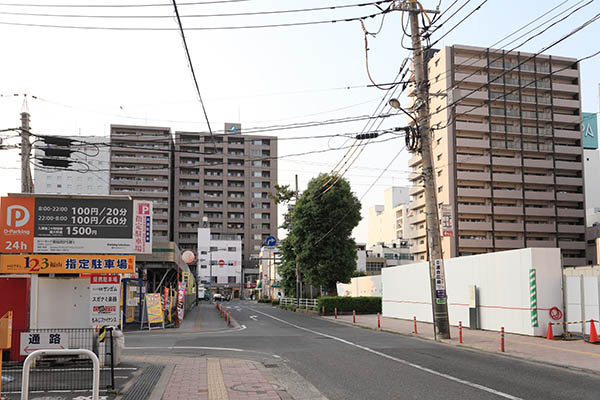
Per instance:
{"type": "Point", "coordinates": [221, 263]}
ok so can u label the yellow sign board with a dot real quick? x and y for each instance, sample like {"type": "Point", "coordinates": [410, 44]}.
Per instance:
{"type": "Point", "coordinates": [66, 264]}
{"type": "Point", "coordinates": [154, 307]}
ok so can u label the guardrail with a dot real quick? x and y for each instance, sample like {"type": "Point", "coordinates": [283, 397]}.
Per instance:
{"type": "Point", "coordinates": [60, 352]}
{"type": "Point", "coordinates": [306, 303]}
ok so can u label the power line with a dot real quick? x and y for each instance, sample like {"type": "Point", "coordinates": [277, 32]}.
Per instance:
{"type": "Point", "coordinates": [197, 28]}
{"type": "Point", "coordinates": [458, 24]}
{"type": "Point", "coordinates": [213, 15]}
{"type": "Point", "coordinates": [195, 3]}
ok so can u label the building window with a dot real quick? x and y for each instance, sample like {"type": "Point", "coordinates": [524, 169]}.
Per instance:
{"type": "Point", "coordinates": [231, 279]}
{"type": "Point", "coordinates": [231, 249]}
{"type": "Point", "coordinates": [440, 189]}
{"type": "Point", "coordinates": [439, 157]}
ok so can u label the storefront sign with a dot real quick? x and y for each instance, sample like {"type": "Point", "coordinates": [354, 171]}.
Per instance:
{"type": "Point", "coordinates": [66, 264]}
{"type": "Point", "coordinates": [55, 224]}
{"type": "Point", "coordinates": [105, 296]}
{"type": "Point", "coordinates": [31, 341]}
{"type": "Point", "coordinates": [447, 221]}
{"type": "Point", "coordinates": [154, 308]}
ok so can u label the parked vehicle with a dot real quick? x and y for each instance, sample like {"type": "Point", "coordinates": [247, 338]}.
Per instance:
{"type": "Point", "coordinates": [217, 297]}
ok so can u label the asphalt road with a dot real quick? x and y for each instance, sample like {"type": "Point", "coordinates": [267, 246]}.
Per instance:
{"type": "Point", "coordinates": [346, 362]}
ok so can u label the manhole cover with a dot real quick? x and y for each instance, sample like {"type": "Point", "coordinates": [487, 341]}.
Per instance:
{"type": "Point", "coordinates": [258, 387]}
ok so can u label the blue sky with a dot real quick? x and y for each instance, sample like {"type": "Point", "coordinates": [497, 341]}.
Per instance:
{"type": "Point", "coordinates": [89, 79]}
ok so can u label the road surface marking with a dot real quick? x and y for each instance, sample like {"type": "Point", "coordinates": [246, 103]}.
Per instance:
{"type": "Point", "coordinates": [254, 317]}
{"type": "Point", "coordinates": [183, 347]}
{"type": "Point", "coordinates": [399, 360]}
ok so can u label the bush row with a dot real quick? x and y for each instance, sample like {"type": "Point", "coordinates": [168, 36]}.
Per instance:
{"type": "Point", "coordinates": [362, 305]}
{"type": "Point", "coordinates": [275, 302]}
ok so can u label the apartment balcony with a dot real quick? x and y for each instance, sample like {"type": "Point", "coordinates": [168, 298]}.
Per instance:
{"type": "Point", "coordinates": [471, 159]}
{"type": "Point", "coordinates": [414, 175]}
{"type": "Point", "coordinates": [574, 261]}
{"type": "Point", "coordinates": [571, 245]}
{"type": "Point", "coordinates": [531, 195]}
{"type": "Point", "coordinates": [563, 87]}
{"type": "Point", "coordinates": [474, 226]}
{"type": "Point", "coordinates": [509, 243]}
{"type": "Point", "coordinates": [469, 209]}
{"type": "Point", "coordinates": [473, 176]}
{"type": "Point", "coordinates": [469, 192]}
{"type": "Point", "coordinates": [513, 178]}
{"type": "Point", "coordinates": [571, 165]}
{"type": "Point", "coordinates": [569, 119]}
{"type": "Point", "coordinates": [569, 196]}
{"type": "Point", "coordinates": [508, 194]}
{"type": "Point", "coordinates": [528, 162]}
{"type": "Point", "coordinates": [568, 149]}
{"type": "Point", "coordinates": [566, 228]}
{"type": "Point", "coordinates": [475, 243]}
{"type": "Point", "coordinates": [508, 210]}
{"type": "Point", "coordinates": [540, 211]}
{"type": "Point", "coordinates": [466, 94]}
{"type": "Point", "coordinates": [471, 62]}
{"type": "Point", "coordinates": [472, 126]}
{"type": "Point", "coordinates": [473, 143]}
{"type": "Point", "coordinates": [508, 226]}
{"type": "Point", "coordinates": [468, 78]}
{"type": "Point", "coordinates": [541, 243]}
{"type": "Point", "coordinates": [540, 179]}
{"type": "Point", "coordinates": [566, 103]}
{"type": "Point", "coordinates": [564, 180]}
{"type": "Point", "coordinates": [568, 72]}
{"type": "Point", "coordinates": [546, 228]}
{"type": "Point", "coordinates": [414, 160]}
{"type": "Point", "coordinates": [419, 248]}
{"type": "Point", "coordinates": [567, 134]}
{"type": "Point", "coordinates": [507, 161]}
{"type": "Point", "coordinates": [413, 190]}
{"type": "Point", "coordinates": [420, 217]}
{"type": "Point", "coordinates": [473, 110]}
{"type": "Point", "coordinates": [570, 212]}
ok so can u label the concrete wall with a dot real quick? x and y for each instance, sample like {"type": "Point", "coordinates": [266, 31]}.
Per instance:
{"type": "Point", "coordinates": [502, 281]}
{"type": "Point", "coordinates": [361, 286]}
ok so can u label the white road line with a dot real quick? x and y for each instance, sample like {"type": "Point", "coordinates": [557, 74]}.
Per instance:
{"type": "Point", "coordinates": [254, 317]}
{"type": "Point", "coordinates": [183, 347]}
{"type": "Point", "coordinates": [199, 333]}
{"type": "Point", "coordinates": [399, 360]}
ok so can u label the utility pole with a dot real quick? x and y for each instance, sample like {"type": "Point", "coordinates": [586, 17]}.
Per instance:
{"type": "Point", "coordinates": [297, 270]}
{"type": "Point", "coordinates": [26, 181]}
{"type": "Point", "coordinates": [434, 242]}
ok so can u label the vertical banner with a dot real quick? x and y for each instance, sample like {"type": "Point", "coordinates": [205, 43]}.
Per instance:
{"type": "Point", "coordinates": [589, 130]}
{"type": "Point", "coordinates": [181, 302]}
{"type": "Point", "coordinates": [142, 226]}
{"type": "Point", "coordinates": [105, 294]}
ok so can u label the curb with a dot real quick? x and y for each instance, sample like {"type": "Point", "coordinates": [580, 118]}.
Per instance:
{"type": "Point", "coordinates": [474, 349]}
{"type": "Point", "coordinates": [163, 382]}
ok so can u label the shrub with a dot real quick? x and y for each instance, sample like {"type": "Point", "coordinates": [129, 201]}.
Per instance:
{"type": "Point", "coordinates": [362, 305]}
{"type": "Point", "coordinates": [275, 302]}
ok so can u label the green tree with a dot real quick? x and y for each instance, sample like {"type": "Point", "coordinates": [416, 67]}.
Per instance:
{"type": "Point", "coordinates": [319, 236]}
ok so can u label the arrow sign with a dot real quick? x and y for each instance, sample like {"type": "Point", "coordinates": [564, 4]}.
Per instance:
{"type": "Point", "coordinates": [271, 241]}
{"type": "Point", "coordinates": [254, 317]}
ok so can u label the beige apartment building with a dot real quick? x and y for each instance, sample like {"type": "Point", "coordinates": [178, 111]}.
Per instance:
{"type": "Point", "coordinates": [227, 179]}
{"type": "Point", "coordinates": [387, 222]}
{"type": "Point", "coordinates": [507, 153]}
{"type": "Point", "coordinates": [140, 166]}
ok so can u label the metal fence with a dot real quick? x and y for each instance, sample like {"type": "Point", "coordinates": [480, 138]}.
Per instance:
{"type": "Point", "coordinates": [303, 303]}
{"type": "Point", "coordinates": [56, 373]}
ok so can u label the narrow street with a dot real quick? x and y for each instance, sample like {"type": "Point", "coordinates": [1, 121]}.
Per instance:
{"type": "Point", "coordinates": [345, 362]}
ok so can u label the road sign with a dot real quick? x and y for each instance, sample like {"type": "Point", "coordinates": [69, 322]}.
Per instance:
{"type": "Point", "coordinates": [271, 241]}
{"type": "Point", "coordinates": [221, 263]}
{"type": "Point", "coordinates": [31, 341]}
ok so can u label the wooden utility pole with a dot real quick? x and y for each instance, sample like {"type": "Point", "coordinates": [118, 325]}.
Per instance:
{"type": "Point", "coordinates": [295, 250]}
{"type": "Point", "coordinates": [26, 181]}
{"type": "Point", "coordinates": [434, 239]}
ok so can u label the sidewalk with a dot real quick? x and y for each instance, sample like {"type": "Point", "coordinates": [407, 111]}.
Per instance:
{"type": "Point", "coordinates": [575, 354]}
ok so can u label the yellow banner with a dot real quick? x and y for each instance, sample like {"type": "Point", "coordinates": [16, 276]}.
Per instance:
{"type": "Point", "coordinates": [66, 264]}
{"type": "Point", "coordinates": [154, 307]}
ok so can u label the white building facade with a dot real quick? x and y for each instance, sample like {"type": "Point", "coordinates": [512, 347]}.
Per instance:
{"type": "Point", "coordinates": [89, 174]}
{"type": "Point", "coordinates": [388, 222]}
{"type": "Point", "coordinates": [220, 263]}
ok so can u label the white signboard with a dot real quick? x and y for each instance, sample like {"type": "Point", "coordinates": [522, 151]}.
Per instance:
{"type": "Point", "coordinates": [105, 294]}
{"type": "Point", "coordinates": [440, 282]}
{"type": "Point", "coordinates": [447, 221]}
{"type": "Point", "coordinates": [31, 341]}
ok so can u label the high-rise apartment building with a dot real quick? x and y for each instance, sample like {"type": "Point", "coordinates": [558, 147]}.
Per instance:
{"type": "Point", "coordinates": [88, 173]}
{"type": "Point", "coordinates": [507, 153]}
{"type": "Point", "coordinates": [140, 166]}
{"type": "Point", "coordinates": [226, 178]}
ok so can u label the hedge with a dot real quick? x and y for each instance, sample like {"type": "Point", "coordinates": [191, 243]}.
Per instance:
{"type": "Point", "coordinates": [362, 305]}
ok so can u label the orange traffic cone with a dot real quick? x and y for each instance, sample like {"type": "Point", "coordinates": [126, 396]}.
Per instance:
{"type": "Point", "coordinates": [549, 334]}
{"type": "Point", "coordinates": [593, 333]}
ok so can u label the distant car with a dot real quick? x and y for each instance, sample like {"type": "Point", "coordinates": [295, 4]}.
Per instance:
{"type": "Point", "coordinates": [217, 297]}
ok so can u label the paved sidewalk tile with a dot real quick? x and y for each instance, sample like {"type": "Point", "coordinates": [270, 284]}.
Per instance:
{"type": "Point", "coordinates": [567, 353]}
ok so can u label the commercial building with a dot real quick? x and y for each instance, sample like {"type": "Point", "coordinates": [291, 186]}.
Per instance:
{"type": "Point", "coordinates": [220, 262]}
{"type": "Point", "coordinates": [269, 284]}
{"type": "Point", "coordinates": [507, 153]}
{"type": "Point", "coordinates": [387, 222]}
{"type": "Point", "coordinates": [140, 166]}
{"type": "Point", "coordinates": [89, 173]}
{"type": "Point", "coordinates": [372, 260]}
{"type": "Point", "coordinates": [227, 179]}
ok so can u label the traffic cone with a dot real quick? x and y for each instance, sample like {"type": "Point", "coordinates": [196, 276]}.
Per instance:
{"type": "Point", "coordinates": [549, 334]}
{"type": "Point", "coordinates": [593, 333]}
